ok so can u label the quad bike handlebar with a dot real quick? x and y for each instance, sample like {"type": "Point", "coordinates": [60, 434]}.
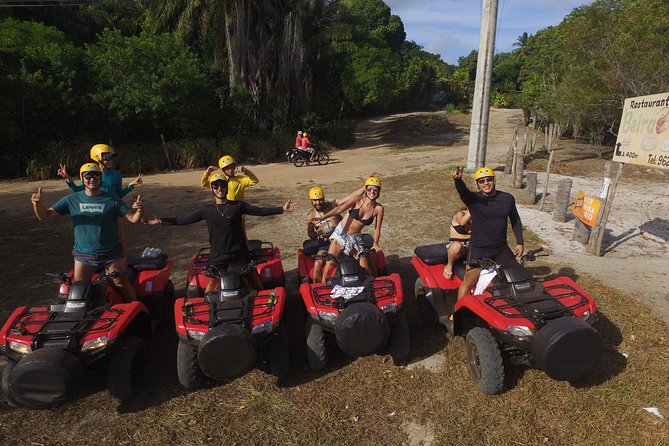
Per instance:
{"type": "Point", "coordinates": [62, 277]}
{"type": "Point", "coordinates": [485, 262]}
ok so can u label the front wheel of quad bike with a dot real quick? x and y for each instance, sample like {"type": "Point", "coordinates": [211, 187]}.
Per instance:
{"type": "Point", "coordinates": [43, 379]}
{"type": "Point", "coordinates": [188, 370]}
{"type": "Point", "coordinates": [6, 372]}
{"type": "Point", "coordinates": [400, 340]}
{"type": "Point", "coordinates": [299, 160]}
{"type": "Point", "coordinates": [125, 367]}
{"type": "Point", "coordinates": [427, 312]}
{"type": "Point", "coordinates": [484, 361]}
{"type": "Point", "coordinates": [316, 353]}
{"type": "Point", "coordinates": [278, 352]}
{"type": "Point", "coordinates": [322, 158]}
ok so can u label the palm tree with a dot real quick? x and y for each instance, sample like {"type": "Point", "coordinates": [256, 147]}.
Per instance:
{"type": "Point", "coordinates": [521, 41]}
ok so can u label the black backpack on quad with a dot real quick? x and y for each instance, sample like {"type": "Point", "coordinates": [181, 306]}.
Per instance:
{"type": "Point", "coordinates": [48, 348]}
{"type": "Point", "coordinates": [546, 325]}
{"type": "Point", "coordinates": [222, 334]}
{"type": "Point", "coordinates": [364, 314]}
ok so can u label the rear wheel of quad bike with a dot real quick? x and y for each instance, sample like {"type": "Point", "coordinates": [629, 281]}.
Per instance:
{"type": "Point", "coordinates": [227, 351]}
{"type": "Point", "coordinates": [361, 329]}
{"type": "Point", "coordinates": [299, 160]}
{"type": "Point", "coordinates": [169, 296]}
{"type": "Point", "coordinates": [427, 312]}
{"type": "Point", "coordinates": [567, 348]}
{"type": "Point", "coordinates": [188, 370]}
{"type": "Point", "coordinates": [43, 379]}
{"type": "Point", "coordinates": [322, 158]}
{"type": "Point", "coordinates": [6, 372]}
{"type": "Point", "coordinates": [484, 361]}
{"type": "Point", "coordinates": [399, 337]}
{"type": "Point", "coordinates": [316, 352]}
{"type": "Point", "coordinates": [279, 357]}
{"type": "Point", "coordinates": [125, 367]}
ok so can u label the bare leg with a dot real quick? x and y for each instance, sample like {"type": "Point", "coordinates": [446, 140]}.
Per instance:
{"type": "Point", "coordinates": [253, 280]}
{"type": "Point", "coordinates": [455, 251]}
{"type": "Point", "coordinates": [122, 282]}
{"type": "Point", "coordinates": [318, 267]}
{"type": "Point", "coordinates": [83, 271]}
{"type": "Point", "coordinates": [365, 264]}
{"type": "Point", "coordinates": [335, 249]}
{"type": "Point", "coordinates": [469, 281]}
{"type": "Point", "coordinates": [211, 285]}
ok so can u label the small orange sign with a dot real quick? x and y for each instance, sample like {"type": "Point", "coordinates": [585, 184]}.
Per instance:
{"type": "Point", "coordinates": [586, 209]}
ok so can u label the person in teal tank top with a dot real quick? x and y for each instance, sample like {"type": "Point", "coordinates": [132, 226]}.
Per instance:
{"type": "Point", "coordinates": [95, 214]}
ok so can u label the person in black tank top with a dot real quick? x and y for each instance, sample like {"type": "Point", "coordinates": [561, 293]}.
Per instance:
{"type": "Point", "coordinates": [458, 241]}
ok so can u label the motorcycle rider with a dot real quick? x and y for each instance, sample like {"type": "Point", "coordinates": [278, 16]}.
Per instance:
{"type": "Point", "coordinates": [490, 209]}
{"type": "Point", "coordinates": [95, 214]}
{"type": "Point", "coordinates": [298, 140]}
{"type": "Point", "coordinates": [226, 231]}
{"type": "Point", "coordinates": [307, 148]}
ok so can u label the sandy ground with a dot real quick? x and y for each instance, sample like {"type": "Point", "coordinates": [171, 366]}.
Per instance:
{"type": "Point", "coordinates": [635, 245]}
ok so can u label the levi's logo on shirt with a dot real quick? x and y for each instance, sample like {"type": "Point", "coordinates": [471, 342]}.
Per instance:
{"type": "Point", "coordinates": [91, 207]}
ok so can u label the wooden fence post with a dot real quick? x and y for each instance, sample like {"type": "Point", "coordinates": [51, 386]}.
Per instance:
{"type": "Point", "coordinates": [531, 187]}
{"type": "Point", "coordinates": [548, 174]}
{"type": "Point", "coordinates": [595, 242]}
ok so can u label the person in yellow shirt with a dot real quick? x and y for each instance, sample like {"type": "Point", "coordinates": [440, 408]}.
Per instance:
{"type": "Point", "coordinates": [236, 183]}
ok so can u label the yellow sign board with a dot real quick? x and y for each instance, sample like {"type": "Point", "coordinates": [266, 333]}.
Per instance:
{"type": "Point", "coordinates": [643, 136]}
{"type": "Point", "coordinates": [586, 209]}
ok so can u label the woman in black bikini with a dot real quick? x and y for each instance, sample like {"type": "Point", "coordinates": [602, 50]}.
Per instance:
{"type": "Point", "coordinates": [363, 210]}
{"type": "Point", "coordinates": [458, 241]}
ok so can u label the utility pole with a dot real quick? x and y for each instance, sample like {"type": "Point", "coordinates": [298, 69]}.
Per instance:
{"type": "Point", "coordinates": [478, 135]}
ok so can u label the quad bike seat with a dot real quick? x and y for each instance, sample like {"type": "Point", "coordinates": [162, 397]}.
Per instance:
{"type": "Point", "coordinates": [437, 254]}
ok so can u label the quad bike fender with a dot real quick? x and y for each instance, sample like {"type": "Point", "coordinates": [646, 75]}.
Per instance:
{"type": "Point", "coordinates": [571, 295]}
{"type": "Point", "coordinates": [9, 323]}
{"type": "Point", "coordinates": [274, 299]}
{"type": "Point", "coordinates": [124, 316]}
{"type": "Point", "coordinates": [152, 280]}
{"type": "Point", "coordinates": [399, 292]}
{"type": "Point", "coordinates": [305, 292]}
{"type": "Point", "coordinates": [476, 306]}
{"type": "Point", "coordinates": [270, 267]}
{"type": "Point", "coordinates": [433, 275]}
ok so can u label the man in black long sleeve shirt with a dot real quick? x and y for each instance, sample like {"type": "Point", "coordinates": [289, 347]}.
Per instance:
{"type": "Point", "coordinates": [490, 210]}
{"type": "Point", "coordinates": [226, 235]}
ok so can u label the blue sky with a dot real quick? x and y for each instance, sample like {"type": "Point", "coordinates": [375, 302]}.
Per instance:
{"type": "Point", "coordinates": [451, 27]}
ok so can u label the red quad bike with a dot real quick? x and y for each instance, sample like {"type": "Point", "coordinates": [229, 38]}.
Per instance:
{"type": "Point", "coordinates": [222, 333]}
{"type": "Point", "coordinates": [306, 257]}
{"type": "Point", "coordinates": [546, 325]}
{"type": "Point", "coordinates": [47, 348]}
{"type": "Point", "coordinates": [364, 313]}
{"type": "Point", "coordinates": [265, 256]}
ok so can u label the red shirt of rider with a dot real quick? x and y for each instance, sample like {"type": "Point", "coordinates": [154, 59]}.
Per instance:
{"type": "Point", "coordinates": [305, 142]}
{"type": "Point", "coordinates": [298, 142]}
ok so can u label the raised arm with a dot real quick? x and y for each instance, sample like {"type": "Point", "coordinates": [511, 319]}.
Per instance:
{"type": "Point", "coordinates": [204, 182]}
{"type": "Point", "coordinates": [377, 227]}
{"type": "Point", "coordinates": [251, 179]}
{"type": "Point", "coordinates": [348, 203]}
{"type": "Point", "coordinates": [134, 215]}
{"type": "Point", "coordinates": [41, 212]}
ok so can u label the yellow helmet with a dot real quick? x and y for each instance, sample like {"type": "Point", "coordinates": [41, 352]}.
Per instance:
{"type": "Point", "coordinates": [484, 172]}
{"type": "Point", "coordinates": [305, 134]}
{"type": "Point", "coordinates": [373, 181]}
{"type": "Point", "coordinates": [98, 150]}
{"type": "Point", "coordinates": [316, 193]}
{"type": "Point", "coordinates": [217, 177]}
{"type": "Point", "coordinates": [225, 161]}
{"type": "Point", "coordinates": [89, 167]}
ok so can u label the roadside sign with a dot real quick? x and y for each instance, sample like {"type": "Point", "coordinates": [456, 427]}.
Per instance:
{"type": "Point", "coordinates": [643, 136]}
{"type": "Point", "coordinates": [586, 209]}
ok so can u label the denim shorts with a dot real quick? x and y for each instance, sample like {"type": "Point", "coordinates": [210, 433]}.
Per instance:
{"type": "Point", "coordinates": [99, 260]}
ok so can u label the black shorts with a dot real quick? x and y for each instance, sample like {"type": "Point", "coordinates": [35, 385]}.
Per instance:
{"type": "Point", "coordinates": [502, 256]}
{"type": "Point", "coordinates": [239, 266]}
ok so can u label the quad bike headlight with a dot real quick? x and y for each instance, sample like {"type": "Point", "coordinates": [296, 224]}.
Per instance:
{"type": "Point", "coordinates": [263, 326]}
{"type": "Point", "coordinates": [195, 334]}
{"type": "Point", "coordinates": [19, 348]}
{"type": "Point", "coordinates": [389, 308]}
{"type": "Point", "coordinates": [520, 331]}
{"type": "Point", "coordinates": [327, 316]}
{"type": "Point", "coordinates": [95, 344]}
{"type": "Point", "coordinates": [585, 316]}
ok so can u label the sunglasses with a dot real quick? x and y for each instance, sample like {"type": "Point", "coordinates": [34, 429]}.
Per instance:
{"type": "Point", "coordinates": [218, 185]}
{"type": "Point", "coordinates": [373, 188]}
{"type": "Point", "coordinates": [485, 180]}
{"type": "Point", "coordinates": [109, 157]}
{"type": "Point", "coordinates": [91, 175]}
